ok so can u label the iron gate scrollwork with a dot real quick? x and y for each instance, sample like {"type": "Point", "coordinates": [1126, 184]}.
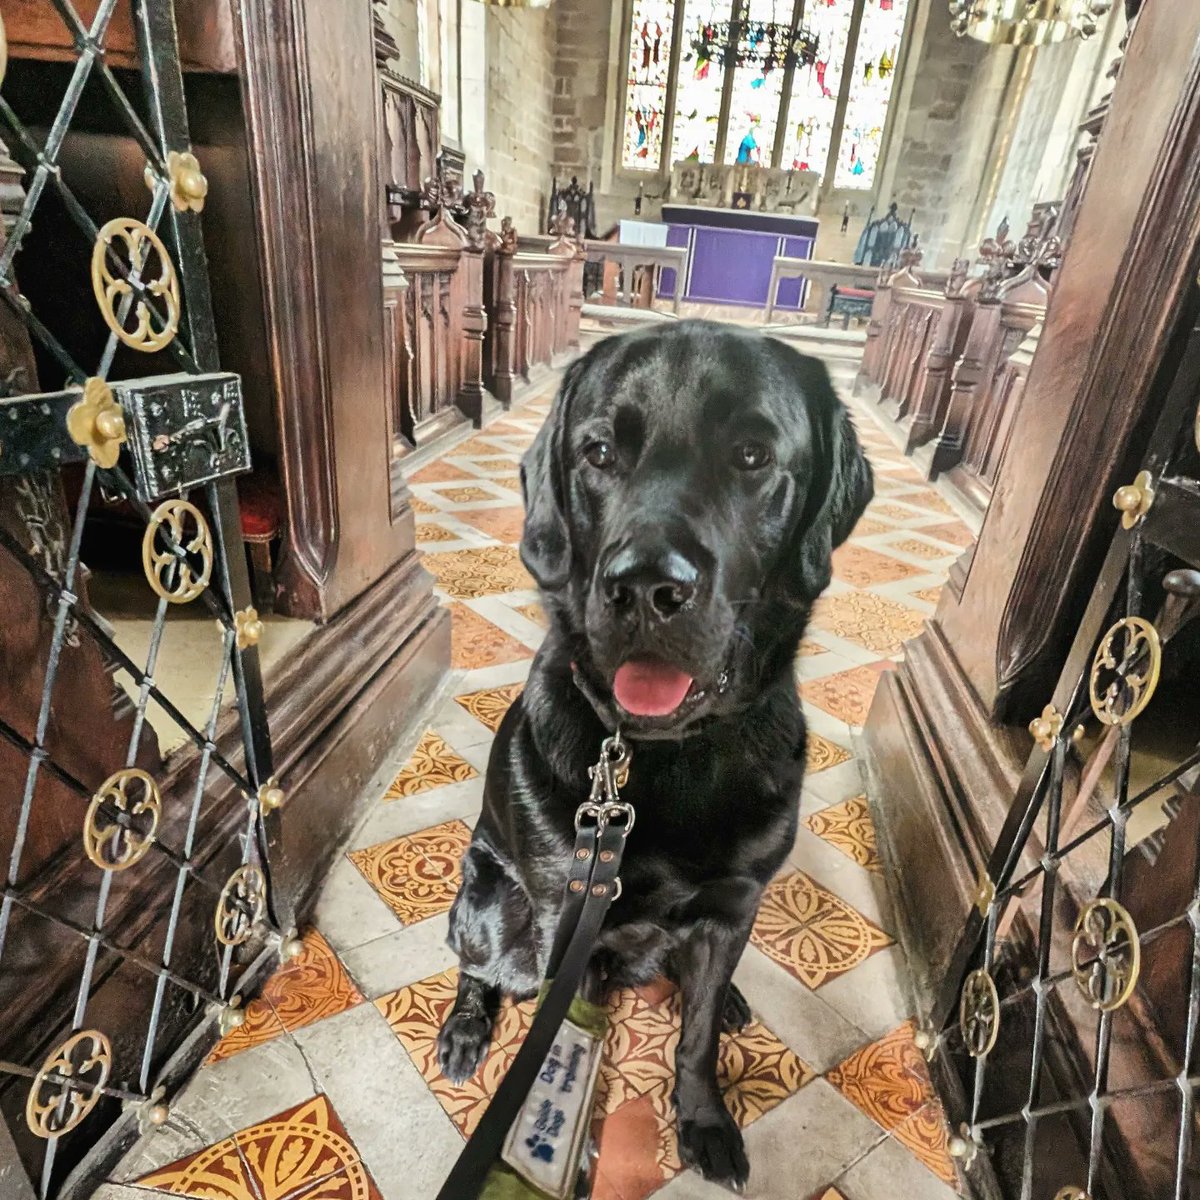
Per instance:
{"type": "Point", "coordinates": [137, 901]}
{"type": "Point", "coordinates": [1067, 1028]}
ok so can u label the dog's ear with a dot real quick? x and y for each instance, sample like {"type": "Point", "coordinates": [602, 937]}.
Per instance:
{"type": "Point", "coordinates": [546, 539]}
{"type": "Point", "coordinates": [840, 486]}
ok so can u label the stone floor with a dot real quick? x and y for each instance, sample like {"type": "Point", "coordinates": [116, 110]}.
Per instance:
{"type": "Point", "coordinates": [329, 1091]}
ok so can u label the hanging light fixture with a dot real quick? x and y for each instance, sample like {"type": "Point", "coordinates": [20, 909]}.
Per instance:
{"type": "Point", "coordinates": [1026, 22]}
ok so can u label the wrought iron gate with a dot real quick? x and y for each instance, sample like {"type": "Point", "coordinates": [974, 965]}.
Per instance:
{"type": "Point", "coordinates": [136, 900]}
{"type": "Point", "coordinates": [1069, 1019]}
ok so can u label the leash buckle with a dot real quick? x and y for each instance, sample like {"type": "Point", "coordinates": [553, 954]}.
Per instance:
{"type": "Point", "coordinates": [604, 805]}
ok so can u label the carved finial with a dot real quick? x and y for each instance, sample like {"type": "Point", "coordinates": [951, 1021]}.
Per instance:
{"type": "Point", "coordinates": [479, 204]}
{"type": "Point", "coordinates": [508, 236]}
{"type": "Point", "coordinates": [958, 277]}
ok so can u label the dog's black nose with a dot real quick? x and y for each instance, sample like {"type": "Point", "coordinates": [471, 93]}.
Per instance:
{"type": "Point", "coordinates": [660, 582]}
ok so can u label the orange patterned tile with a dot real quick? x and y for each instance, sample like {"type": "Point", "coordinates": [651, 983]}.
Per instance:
{"type": "Point", "coordinates": [512, 482]}
{"type": "Point", "coordinates": [466, 495]}
{"type": "Point", "coordinates": [830, 1193]}
{"type": "Point", "coordinates": [929, 499]}
{"type": "Point", "coordinates": [926, 1134]}
{"type": "Point", "coordinates": [920, 549]}
{"type": "Point", "coordinates": [846, 695]}
{"type": "Point", "coordinates": [888, 1079]}
{"type": "Point", "coordinates": [489, 706]}
{"type": "Point", "coordinates": [820, 753]}
{"type": "Point", "coordinates": [475, 642]}
{"type": "Point", "coordinates": [931, 595]}
{"type": "Point", "coordinates": [848, 827]}
{"type": "Point", "coordinates": [420, 506]}
{"type": "Point", "coordinates": [304, 1151]}
{"type": "Point", "coordinates": [433, 764]}
{"type": "Point", "coordinates": [504, 463]}
{"type": "Point", "coordinates": [873, 622]}
{"type": "Point", "coordinates": [503, 524]}
{"type": "Point", "coordinates": [429, 531]}
{"type": "Point", "coordinates": [441, 472]}
{"type": "Point", "coordinates": [480, 444]}
{"type": "Point", "coordinates": [486, 571]}
{"type": "Point", "coordinates": [305, 989]}
{"type": "Point", "coordinates": [808, 648]}
{"type": "Point", "coordinates": [896, 513]}
{"type": "Point", "coordinates": [534, 613]}
{"type": "Point", "coordinates": [811, 933]}
{"type": "Point", "coordinates": [955, 532]}
{"type": "Point", "coordinates": [755, 1070]}
{"type": "Point", "coordinates": [861, 567]}
{"type": "Point", "coordinates": [866, 527]}
{"type": "Point", "coordinates": [416, 876]}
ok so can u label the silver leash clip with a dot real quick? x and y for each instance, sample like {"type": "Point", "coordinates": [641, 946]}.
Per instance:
{"type": "Point", "coordinates": [604, 805]}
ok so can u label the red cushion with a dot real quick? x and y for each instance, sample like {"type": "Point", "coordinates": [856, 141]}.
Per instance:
{"type": "Point", "coordinates": [258, 495]}
{"type": "Point", "coordinates": [854, 293]}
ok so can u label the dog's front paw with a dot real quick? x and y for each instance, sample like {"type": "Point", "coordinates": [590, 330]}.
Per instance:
{"type": "Point", "coordinates": [462, 1043]}
{"type": "Point", "coordinates": [711, 1143]}
{"type": "Point", "coordinates": [736, 1015]}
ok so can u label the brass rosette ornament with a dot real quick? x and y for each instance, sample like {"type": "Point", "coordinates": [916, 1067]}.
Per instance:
{"type": "Point", "coordinates": [979, 1013]}
{"type": "Point", "coordinates": [242, 904]}
{"type": "Point", "coordinates": [113, 292]}
{"type": "Point", "coordinates": [177, 551]}
{"type": "Point", "coordinates": [122, 820]}
{"type": "Point", "coordinates": [68, 1085]}
{"type": "Point", "coordinates": [1106, 954]}
{"type": "Point", "coordinates": [1125, 671]}
{"type": "Point", "coordinates": [1072, 1193]}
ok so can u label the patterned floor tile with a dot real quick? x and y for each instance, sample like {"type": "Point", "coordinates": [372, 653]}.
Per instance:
{"type": "Point", "coordinates": [846, 695]}
{"type": "Point", "coordinates": [301, 1152]}
{"type": "Point", "coordinates": [441, 472]}
{"type": "Point", "coordinates": [931, 595]}
{"type": "Point", "coordinates": [873, 622]}
{"type": "Point", "coordinates": [866, 527]}
{"type": "Point", "coordinates": [416, 876]}
{"type": "Point", "coordinates": [820, 753]}
{"type": "Point", "coordinates": [487, 571]}
{"type": "Point", "coordinates": [421, 507]}
{"type": "Point", "coordinates": [534, 613]}
{"type": "Point", "coordinates": [919, 549]}
{"type": "Point", "coordinates": [812, 933]}
{"type": "Point", "coordinates": [954, 532]}
{"type": "Point", "coordinates": [429, 531]}
{"type": "Point", "coordinates": [830, 1193]}
{"type": "Point", "coordinates": [848, 827]}
{"type": "Point", "coordinates": [305, 989]}
{"type": "Point", "coordinates": [503, 524]}
{"type": "Point", "coordinates": [894, 512]}
{"type": "Point", "coordinates": [433, 764]}
{"type": "Point", "coordinates": [475, 642]}
{"type": "Point", "coordinates": [512, 482]}
{"type": "Point", "coordinates": [861, 567]}
{"type": "Point", "coordinates": [468, 494]}
{"type": "Point", "coordinates": [928, 498]}
{"type": "Point", "coordinates": [807, 649]}
{"type": "Point", "coordinates": [489, 706]}
{"type": "Point", "coordinates": [927, 1135]}
{"type": "Point", "coordinates": [888, 1079]}
{"type": "Point", "coordinates": [505, 462]}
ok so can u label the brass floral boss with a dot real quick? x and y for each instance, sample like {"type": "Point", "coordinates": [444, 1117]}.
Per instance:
{"type": "Point", "coordinates": [177, 525]}
{"type": "Point", "coordinates": [270, 796]}
{"type": "Point", "coordinates": [189, 186]}
{"type": "Point", "coordinates": [113, 290]}
{"type": "Point", "coordinates": [1106, 954]}
{"type": "Point", "coordinates": [97, 423]}
{"type": "Point", "coordinates": [241, 905]}
{"type": "Point", "coordinates": [247, 628]}
{"type": "Point", "coordinates": [1046, 728]}
{"type": "Point", "coordinates": [979, 1013]}
{"type": "Point", "coordinates": [1072, 1193]}
{"type": "Point", "coordinates": [1125, 671]}
{"type": "Point", "coordinates": [985, 892]}
{"type": "Point", "coordinates": [1134, 499]}
{"type": "Point", "coordinates": [68, 1085]}
{"type": "Point", "coordinates": [114, 843]}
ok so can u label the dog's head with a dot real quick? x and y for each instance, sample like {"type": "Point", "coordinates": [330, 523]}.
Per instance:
{"type": "Point", "coordinates": [683, 500]}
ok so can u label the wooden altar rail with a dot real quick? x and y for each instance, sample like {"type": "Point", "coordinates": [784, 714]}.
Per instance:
{"type": "Point", "coordinates": [533, 294]}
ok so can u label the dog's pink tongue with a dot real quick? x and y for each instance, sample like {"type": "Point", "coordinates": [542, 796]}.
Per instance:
{"type": "Point", "coordinates": [650, 689]}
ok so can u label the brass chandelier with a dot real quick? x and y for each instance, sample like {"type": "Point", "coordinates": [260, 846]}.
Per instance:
{"type": "Point", "coordinates": [1026, 22]}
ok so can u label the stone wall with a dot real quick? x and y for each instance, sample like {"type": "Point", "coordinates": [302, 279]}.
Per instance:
{"type": "Point", "coordinates": [400, 20]}
{"type": "Point", "coordinates": [520, 46]}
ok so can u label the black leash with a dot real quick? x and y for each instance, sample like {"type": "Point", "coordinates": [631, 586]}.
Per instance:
{"type": "Point", "coordinates": [602, 823]}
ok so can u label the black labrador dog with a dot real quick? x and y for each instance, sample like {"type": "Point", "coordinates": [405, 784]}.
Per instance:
{"type": "Point", "coordinates": [683, 500]}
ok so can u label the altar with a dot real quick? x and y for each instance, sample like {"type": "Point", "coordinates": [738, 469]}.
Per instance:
{"type": "Point", "coordinates": [730, 252]}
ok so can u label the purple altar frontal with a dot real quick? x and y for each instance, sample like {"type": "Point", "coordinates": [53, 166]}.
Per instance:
{"type": "Point", "coordinates": [730, 252]}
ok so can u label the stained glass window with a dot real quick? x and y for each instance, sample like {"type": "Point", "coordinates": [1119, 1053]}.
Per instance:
{"type": "Point", "coordinates": [815, 88]}
{"type": "Point", "coordinates": [870, 92]}
{"type": "Point", "coordinates": [756, 96]}
{"type": "Point", "coordinates": [698, 91]}
{"type": "Point", "coordinates": [646, 102]}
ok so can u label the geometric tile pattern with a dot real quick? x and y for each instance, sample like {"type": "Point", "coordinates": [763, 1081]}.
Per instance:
{"type": "Point", "coordinates": [305, 989]}
{"type": "Point", "coordinates": [503, 524]}
{"type": "Point", "coordinates": [846, 695]}
{"type": "Point", "coordinates": [820, 753]}
{"type": "Point", "coordinates": [954, 532]}
{"type": "Point", "coordinates": [483, 571]}
{"type": "Point", "coordinates": [755, 1070]}
{"type": "Point", "coordinates": [876, 623]}
{"type": "Point", "coordinates": [848, 827]}
{"type": "Point", "coordinates": [920, 549]}
{"type": "Point", "coordinates": [302, 1152]}
{"type": "Point", "coordinates": [813, 934]}
{"type": "Point", "coordinates": [889, 1081]}
{"type": "Point", "coordinates": [416, 876]}
{"type": "Point", "coordinates": [489, 706]}
{"type": "Point", "coordinates": [475, 642]}
{"type": "Point", "coordinates": [433, 764]}
{"type": "Point", "coordinates": [860, 566]}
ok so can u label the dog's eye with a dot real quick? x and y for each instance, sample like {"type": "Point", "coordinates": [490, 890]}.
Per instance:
{"type": "Point", "coordinates": [600, 454]}
{"type": "Point", "coordinates": [751, 456]}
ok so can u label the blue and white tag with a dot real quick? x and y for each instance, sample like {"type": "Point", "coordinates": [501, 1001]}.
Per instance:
{"type": "Point", "coordinates": [546, 1140]}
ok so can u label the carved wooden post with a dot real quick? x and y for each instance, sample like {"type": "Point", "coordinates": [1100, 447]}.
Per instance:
{"type": "Point", "coordinates": [479, 205]}
{"type": "Point", "coordinates": [505, 313]}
